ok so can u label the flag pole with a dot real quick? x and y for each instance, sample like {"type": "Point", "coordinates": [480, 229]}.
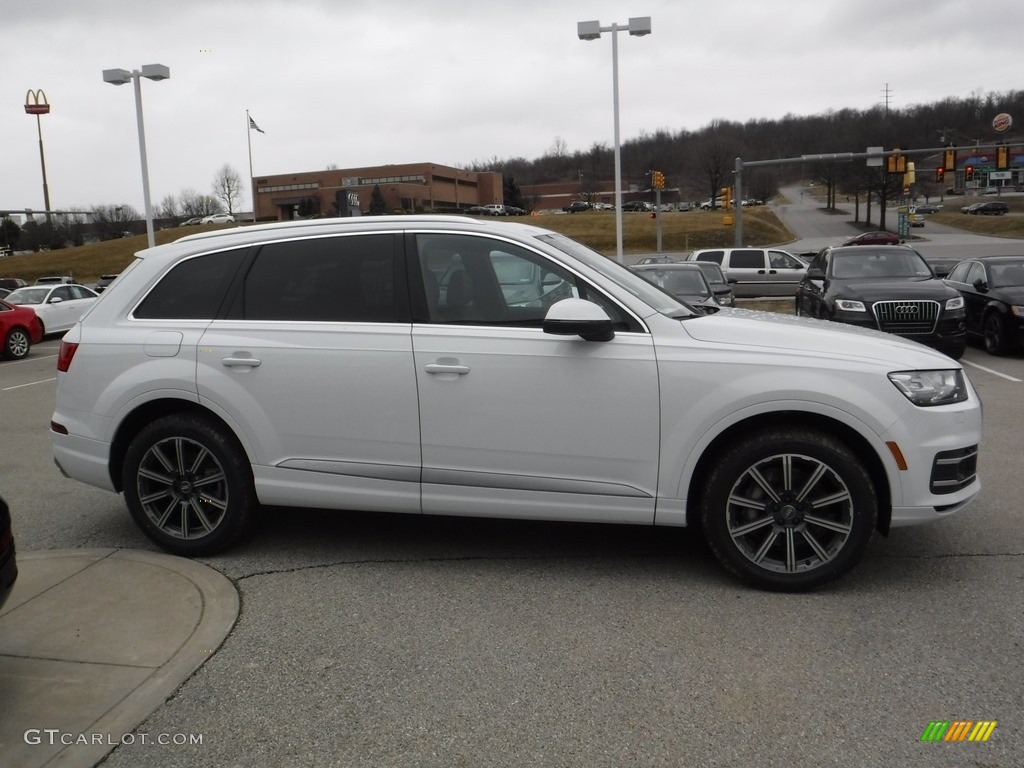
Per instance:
{"type": "Point", "coordinates": [252, 182]}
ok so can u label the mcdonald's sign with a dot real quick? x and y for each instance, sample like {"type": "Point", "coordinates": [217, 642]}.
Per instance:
{"type": "Point", "coordinates": [36, 103]}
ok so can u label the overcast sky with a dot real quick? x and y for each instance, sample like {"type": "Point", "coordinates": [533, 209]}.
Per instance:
{"type": "Point", "coordinates": [447, 81]}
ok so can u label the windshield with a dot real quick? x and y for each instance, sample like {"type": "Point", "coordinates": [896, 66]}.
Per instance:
{"type": "Point", "coordinates": [870, 264]}
{"type": "Point", "coordinates": [680, 282]}
{"type": "Point", "coordinates": [1005, 275]}
{"type": "Point", "coordinates": [648, 293]}
{"type": "Point", "coordinates": [27, 296]}
{"type": "Point", "coordinates": [712, 272]}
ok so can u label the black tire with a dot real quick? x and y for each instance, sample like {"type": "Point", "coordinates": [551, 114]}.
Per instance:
{"type": "Point", "coordinates": [188, 485]}
{"type": "Point", "coordinates": [17, 344]}
{"type": "Point", "coordinates": [994, 334]}
{"type": "Point", "coordinates": [789, 509]}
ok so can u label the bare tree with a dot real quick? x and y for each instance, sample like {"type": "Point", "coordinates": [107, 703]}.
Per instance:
{"type": "Point", "coordinates": [168, 208]}
{"type": "Point", "coordinates": [227, 187]}
{"type": "Point", "coordinates": [194, 204]}
{"type": "Point", "coordinates": [113, 221]}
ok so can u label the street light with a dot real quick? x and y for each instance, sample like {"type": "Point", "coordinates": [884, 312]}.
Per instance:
{"type": "Point", "coordinates": [122, 77]}
{"type": "Point", "coordinates": [591, 30]}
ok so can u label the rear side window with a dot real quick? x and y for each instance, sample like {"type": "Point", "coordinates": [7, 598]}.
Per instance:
{"type": "Point", "coordinates": [193, 289]}
{"type": "Point", "coordinates": [715, 256]}
{"type": "Point", "coordinates": [333, 279]}
{"type": "Point", "coordinates": [749, 259]}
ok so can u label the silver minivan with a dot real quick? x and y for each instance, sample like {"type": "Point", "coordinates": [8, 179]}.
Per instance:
{"type": "Point", "coordinates": [756, 271]}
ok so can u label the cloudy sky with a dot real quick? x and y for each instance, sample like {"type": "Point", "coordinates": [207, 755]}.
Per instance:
{"type": "Point", "coordinates": [447, 81]}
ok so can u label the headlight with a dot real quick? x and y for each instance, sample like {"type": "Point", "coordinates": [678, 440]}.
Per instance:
{"type": "Point", "coordinates": [1018, 310]}
{"type": "Point", "coordinates": [849, 305]}
{"type": "Point", "coordinates": [927, 388]}
{"type": "Point", "coordinates": [957, 303]}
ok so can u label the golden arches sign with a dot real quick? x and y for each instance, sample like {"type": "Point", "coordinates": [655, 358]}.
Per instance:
{"type": "Point", "coordinates": [36, 103]}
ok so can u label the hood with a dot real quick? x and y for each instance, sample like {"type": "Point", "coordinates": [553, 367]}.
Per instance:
{"type": "Point", "coordinates": [891, 289]}
{"type": "Point", "coordinates": [820, 338]}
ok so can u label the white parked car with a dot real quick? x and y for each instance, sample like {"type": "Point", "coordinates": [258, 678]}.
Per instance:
{"type": "Point", "coordinates": [453, 366]}
{"type": "Point", "coordinates": [57, 306]}
{"type": "Point", "coordinates": [218, 218]}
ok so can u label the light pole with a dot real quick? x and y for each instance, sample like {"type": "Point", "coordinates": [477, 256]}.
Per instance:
{"type": "Point", "coordinates": [591, 30]}
{"type": "Point", "coordinates": [121, 77]}
{"type": "Point", "coordinates": [36, 104]}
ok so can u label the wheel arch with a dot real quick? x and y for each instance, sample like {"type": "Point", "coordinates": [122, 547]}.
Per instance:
{"type": "Point", "coordinates": [856, 442]}
{"type": "Point", "coordinates": [147, 413]}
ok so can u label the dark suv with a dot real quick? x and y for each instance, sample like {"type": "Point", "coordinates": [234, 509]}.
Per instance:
{"type": "Point", "coordinates": [887, 287]}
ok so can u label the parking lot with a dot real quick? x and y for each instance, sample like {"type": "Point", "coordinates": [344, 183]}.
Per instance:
{"type": "Point", "coordinates": [393, 640]}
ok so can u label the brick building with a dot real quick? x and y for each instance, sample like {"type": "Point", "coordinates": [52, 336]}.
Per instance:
{"type": "Point", "coordinates": [412, 187]}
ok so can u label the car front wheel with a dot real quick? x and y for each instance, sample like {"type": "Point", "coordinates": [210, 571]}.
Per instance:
{"type": "Point", "coordinates": [17, 344]}
{"type": "Point", "coordinates": [188, 485]}
{"type": "Point", "coordinates": [994, 334]}
{"type": "Point", "coordinates": [789, 509]}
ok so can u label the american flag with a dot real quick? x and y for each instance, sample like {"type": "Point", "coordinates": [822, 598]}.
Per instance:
{"type": "Point", "coordinates": [252, 124]}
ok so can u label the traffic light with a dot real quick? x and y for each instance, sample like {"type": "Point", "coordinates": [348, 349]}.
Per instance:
{"type": "Point", "coordinates": [940, 174]}
{"type": "Point", "coordinates": [968, 173]}
{"type": "Point", "coordinates": [1002, 158]}
{"type": "Point", "coordinates": [896, 163]}
{"type": "Point", "coordinates": [726, 197]}
{"type": "Point", "coordinates": [949, 160]}
{"type": "Point", "coordinates": [658, 180]}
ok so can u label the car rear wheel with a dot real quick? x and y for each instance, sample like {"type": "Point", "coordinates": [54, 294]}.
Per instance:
{"type": "Point", "coordinates": [994, 334]}
{"type": "Point", "coordinates": [188, 485]}
{"type": "Point", "coordinates": [789, 509]}
{"type": "Point", "coordinates": [17, 344]}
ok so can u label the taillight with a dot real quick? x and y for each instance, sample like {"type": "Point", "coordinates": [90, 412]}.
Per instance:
{"type": "Point", "coordinates": [66, 355]}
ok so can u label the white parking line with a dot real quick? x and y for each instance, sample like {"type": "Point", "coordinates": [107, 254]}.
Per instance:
{"type": "Point", "coordinates": [29, 360]}
{"type": "Point", "coordinates": [989, 370]}
{"type": "Point", "coordinates": [31, 383]}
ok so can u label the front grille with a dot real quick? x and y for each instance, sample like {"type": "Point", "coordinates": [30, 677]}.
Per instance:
{"type": "Point", "coordinates": [906, 317]}
{"type": "Point", "coordinates": [953, 470]}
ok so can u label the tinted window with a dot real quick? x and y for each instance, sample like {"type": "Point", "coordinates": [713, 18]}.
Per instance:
{"type": "Point", "coordinates": [480, 281]}
{"type": "Point", "coordinates": [715, 256]}
{"type": "Point", "coordinates": [335, 279]}
{"type": "Point", "coordinates": [63, 293]}
{"type": "Point", "coordinates": [192, 290]}
{"type": "Point", "coordinates": [1007, 274]}
{"type": "Point", "coordinates": [746, 260]}
{"type": "Point", "coordinates": [869, 264]}
{"type": "Point", "coordinates": [976, 272]}
{"type": "Point", "coordinates": [959, 273]}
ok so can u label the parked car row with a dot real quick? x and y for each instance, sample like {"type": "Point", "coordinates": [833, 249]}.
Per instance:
{"type": "Point", "coordinates": [58, 307]}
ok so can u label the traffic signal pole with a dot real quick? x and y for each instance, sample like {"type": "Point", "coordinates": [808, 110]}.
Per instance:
{"type": "Point", "coordinates": [838, 157]}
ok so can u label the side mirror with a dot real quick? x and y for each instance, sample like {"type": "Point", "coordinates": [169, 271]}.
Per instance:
{"type": "Point", "coordinates": [55, 300]}
{"type": "Point", "coordinates": [980, 286]}
{"type": "Point", "coordinates": [815, 273]}
{"type": "Point", "coordinates": [577, 317]}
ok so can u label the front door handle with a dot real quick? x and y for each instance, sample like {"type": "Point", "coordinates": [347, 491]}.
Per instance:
{"type": "Point", "coordinates": [437, 368]}
{"type": "Point", "coordinates": [241, 361]}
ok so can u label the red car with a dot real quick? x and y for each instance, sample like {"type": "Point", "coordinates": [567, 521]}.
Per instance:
{"type": "Point", "coordinates": [19, 330]}
{"type": "Point", "coordinates": [873, 238]}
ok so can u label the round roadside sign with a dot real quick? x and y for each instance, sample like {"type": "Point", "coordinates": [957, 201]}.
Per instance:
{"type": "Point", "coordinates": [1001, 123]}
